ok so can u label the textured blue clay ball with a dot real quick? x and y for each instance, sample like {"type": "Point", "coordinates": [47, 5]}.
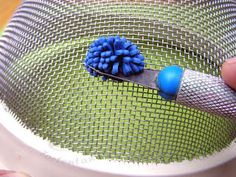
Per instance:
{"type": "Point", "coordinates": [114, 55]}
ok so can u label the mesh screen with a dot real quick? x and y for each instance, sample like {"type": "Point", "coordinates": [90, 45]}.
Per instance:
{"type": "Point", "coordinates": [45, 85]}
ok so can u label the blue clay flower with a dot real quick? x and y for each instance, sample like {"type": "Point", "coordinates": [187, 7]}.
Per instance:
{"type": "Point", "coordinates": [113, 55]}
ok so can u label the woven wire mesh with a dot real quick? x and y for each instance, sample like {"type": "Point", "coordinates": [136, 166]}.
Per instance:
{"type": "Point", "coordinates": [45, 85]}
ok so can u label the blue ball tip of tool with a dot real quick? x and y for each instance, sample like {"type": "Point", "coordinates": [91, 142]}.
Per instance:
{"type": "Point", "coordinates": [113, 55]}
{"type": "Point", "coordinates": [168, 81]}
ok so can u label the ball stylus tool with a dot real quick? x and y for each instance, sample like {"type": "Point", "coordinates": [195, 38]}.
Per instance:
{"type": "Point", "coordinates": [118, 58]}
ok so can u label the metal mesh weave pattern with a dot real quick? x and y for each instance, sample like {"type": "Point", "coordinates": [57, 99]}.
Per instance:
{"type": "Point", "coordinates": [44, 83]}
{"type": "Point", "coordinates": [207, 93]}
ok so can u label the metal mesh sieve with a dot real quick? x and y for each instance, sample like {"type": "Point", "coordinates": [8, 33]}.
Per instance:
{"type": "Point", "coordinates": [45, 85]}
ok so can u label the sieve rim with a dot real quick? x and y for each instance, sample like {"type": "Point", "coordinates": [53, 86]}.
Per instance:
{"type": "Point", "coordinates": [42, 149]}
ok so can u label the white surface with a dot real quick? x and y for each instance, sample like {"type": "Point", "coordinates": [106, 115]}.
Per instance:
{"type": "Point", "coordinates": [23, 145]}
{"type": "Point", "coordinates": [2, 166]}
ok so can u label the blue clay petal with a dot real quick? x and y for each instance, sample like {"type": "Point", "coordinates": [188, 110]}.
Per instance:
{"type": "Point", "coordinates": [104, 78]}
{"type": "Point", "coordinates": [93, 49]}
{"type": "Point", "coordinates": [105, 66]}
{"type": "Point", "coordinates": [102, 40]}
{"type": "Point", "coordinates": [115, 68]}
{"type": "Point", "coordinates": [109, 53]}
{"type": "Point", "coordinates": [125, 52]}
{"type": "Point", "coordinates": [134, 52]}
{"type": "Point", "coordinates": [108, 70]}
{"type": "Point", "coordinates": [90, 55]}
{"type": "Point", "coordinates": [117, 37]}
{"type": "Point", "coordinates": [95, 65]}
{"type": "Point", "coordinates": [133, 47]}
{"type": "Point", "coordinates": [118, 45]}
{"type": "Point", "coordinates": [96, 60]}
{"type": "Point", "coordinates": [106, 54]}
{"type": "Point", "coordinates": [90, 61]}
{"type": "Point", "coordinates": [127, 59]}
{"type": "Point", "coordinates": [141, 68]}
{"type": "Point", "coordinates": [103, 54]}
{"type": "Point", "coordinates": [92, 45]}
{"type": "Point", "coordinates": [137, 61]}
{"type": "Point", "coordinates": [95, 73]}
{"type": "Point", "coordinates": [127, 45]}
{"type": "Point", "coordinates": [135, 68]}
{"type": "Point", "coordinates": [107, 46]}
{"type": "Point", "coordinates": [100, 66]}
{"type": "Point", "coordinates": [96, 54]}
{"type": "Point", "coordinates": [123, 40]}
{"type": "Point", "coordinates": [89, 70]}
{"type": "Point", "coordinates": [113, 58]}
{"type": "Point", "coordinates": [111, 40]}
{"type": "Point", "coordinates": [107, 60]}
{"type": "Point", "coordinates": [119, 52]}
{"type": "Point", "coordinates": [141, 63]}
{"type": "Point", "coordinates": [102, 60]}
{"type": "Point", "coordinates": [141, 57]}
{"type": "Point", "coordinates": [126, 69]}
{"type": "Point", "coordinates": [96, 43]}
{"type": "Point", "coordinates": [99, 48]}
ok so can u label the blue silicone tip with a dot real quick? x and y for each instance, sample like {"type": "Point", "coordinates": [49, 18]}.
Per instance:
{"type": "Point", "coordinates": [168, 81]}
